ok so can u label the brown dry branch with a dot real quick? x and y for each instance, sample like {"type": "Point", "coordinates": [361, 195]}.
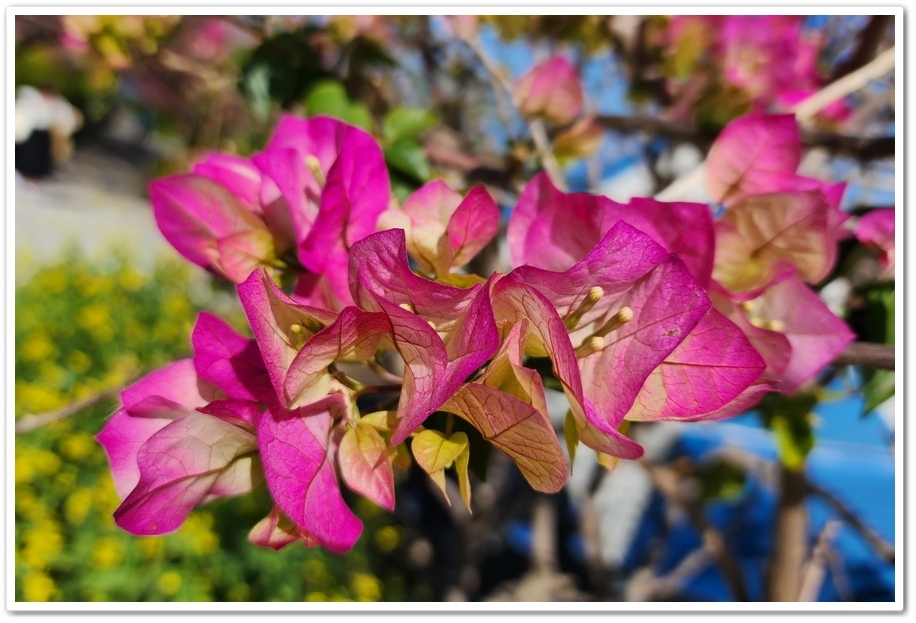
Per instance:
{"type": "Point", "coordinates": [791, 540]}
{"type": "Point", "coordinates": [668, 482]}
{"type": "Point", "coordinates": [868, 354]}
{"type": "Point", "coordinates": [535, 126]}
{"type": "Point", "coordinates": [30, 422]}
{"type": "Point", "coordinates": [815, 571]}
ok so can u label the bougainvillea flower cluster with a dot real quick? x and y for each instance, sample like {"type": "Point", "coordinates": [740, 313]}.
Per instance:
{"type": "Point", "coordinates": [364, 323]}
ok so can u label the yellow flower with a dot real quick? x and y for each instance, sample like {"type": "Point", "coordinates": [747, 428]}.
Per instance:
{"type": "Point", "coordinates": [51, 375]}
{"type": "Point", "coordinates": [51, 281]}
{"type": "Point", "coordinates": [152, 547]}
{"type": "Point", "coordinates": [79, 362]}
{"type": "Point", "coordinates": [65, 480]}
{"type": "Point", "coordinates": [104, 495]}
{"type": "Point", "coordinates": [387, 538]}
{"type": "Point", "coordinates": [25, 471]}
{"type": "Point", "coordinates": [38, 586]}
{"type": "Point", "coordinates": [37, 347]}
{"type": "Point", "coordinates": [35, 461]}
{"type": "Point", "coordinates": [96, 319]}
{"type": "Point", "coordinates": [107, 553]}
{"type": "Point", "coordinates": [175, 306]}
{"type": "Point", "coordinates": [41, 544]}
{"type": "Point", "coordinates": [131, 279]}
{"type": "Point", "coordinates": [31, 398]}
{"type": "Point", "coordinates": [239, 592]}
{"type": "Point", "coordinates": [316, 574]}
{"type": "Point", "coordinates": [77, 506]}
{"type": "Point", "coordinates": [78, 446]}
{"type": "Point", "coordinates": [365, 587]}
{"type": "Point", "coordinates": [169, 583]}
{"type": "Point", "coordinates": [28, 506]}
{"type": "Point", "coordinates": [205, 543]}
{"type": "Point", "coordinates": [316, 596]}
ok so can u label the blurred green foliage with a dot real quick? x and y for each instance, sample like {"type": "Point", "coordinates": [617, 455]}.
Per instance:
{"type": "Point", "coordinates": [82, 327]}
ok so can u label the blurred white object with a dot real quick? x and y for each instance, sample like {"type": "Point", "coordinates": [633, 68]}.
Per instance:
{"type": "Point", "coordinates": [44, 125]}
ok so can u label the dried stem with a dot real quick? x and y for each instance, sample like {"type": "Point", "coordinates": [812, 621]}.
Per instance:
{"type": "Point", "coordinates": [884, 549]}
{"type": "Point", "coordinates": [791, 540]}
{"type": "Point", "coordinates": [30, 422]}
{"type": "Point", "coordinates": [536, 127]}
{"type": "Point", "coordinates": [868, 354]}
{"type": "Point", "coordinates": [865, 148]}
{"type": "Point", "coordinates": [667, 481]}
{"type": "Point", "coordinates": [815, 571]}
{"type": "Point", "coordinates": [804, 112]}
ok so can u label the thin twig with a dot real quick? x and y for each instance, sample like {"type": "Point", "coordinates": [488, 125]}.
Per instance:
{"type": "Point", "coordinates": [30, 422]}
{"type": "Point", "coordinates": [668, 483]}
{"type": "Point", "coordinates": [864, 148]}
{"type": "Point", "coordinates": [538, 132]}
{"type": "Point", "coordinates": [804, 112]}
{"type": "Point", "coordinates": [848, 84]}
{"type": "Point", "coordinates": [763, 469]}
{"type": "Point", "coordinates": [791, 536]}
{"type": "Point", "coordinates": [815, 571]}
{"type": "Point", "coordinates": [868, 354]}
{"type": "Point", "coordinates": [884, 549]}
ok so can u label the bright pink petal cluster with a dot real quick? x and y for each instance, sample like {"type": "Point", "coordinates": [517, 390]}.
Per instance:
{"type": "Point", "coordinates": [613, 299]}
{"type": "Point", "coordinates": [779, 233]}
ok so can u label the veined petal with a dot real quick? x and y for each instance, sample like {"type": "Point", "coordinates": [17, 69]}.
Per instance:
{"type": "Point", "coordinates": [550, 229]}
{"type": "Point", "coordinates": [427, 211]}
{"type": "Point", "coordinates": [772, 345]}
{"type": "Point", "coordinates": [632, 271]}
{"type": "Point", "coordinates": [381, 281]}
{"type": "Point", "coordinates": [707, 371]}
{"type": "Point", "coordinates": [242, 413]}
{"type": "Point", "coordinates": [289, 194]}
{"type": "Point", "coordinates": [777, 229]}
{"type": "Point", "coordinates": [241, 253]}
{"type": "Point", "coordinates": [194, 212]}
{"type": "Point", "coordinates": [749, 152]}
{"type": "Point", "coordinates": [299, 456]}
{"type": "Point", "coordinates": [122, 437]}
{"type": "Point", "coordinates": [517, 428]}
{"type": "Point", "coordinates": [507, 373]}
{"type": "Point", "coordinates": [236, 173]}
{"type": "Point", "coordinates": [164, 393]}
{"type": "Point", "coordinates": [276, 531]}
{"type": "Point", "coordinates": [554, 230]}
{"type": "Point", "coordinates": [189, 461]}
{"type": "Point", "coordinates": [473, 224]}
{"type": "Point", "coordinates": [550, 89]}
{"type": "Point", "coordinates": [354, 336]}
{"type": "Point", "coordinates": [817, 336]}
{"type": "Point", "coordinates": [230, 361]}
{"type": "Point", "coordinates": [279, 324]}
{"type": "Point", "coordinates": [356, 192]}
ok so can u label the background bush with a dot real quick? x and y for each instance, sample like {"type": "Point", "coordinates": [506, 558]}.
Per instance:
{"type": "Point", "coordinates": [83, 327]}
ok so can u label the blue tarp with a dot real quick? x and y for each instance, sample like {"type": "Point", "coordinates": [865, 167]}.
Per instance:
{"type": "Point", "coordinates": [853, 460]}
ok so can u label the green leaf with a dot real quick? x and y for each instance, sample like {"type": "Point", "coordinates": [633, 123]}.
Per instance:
{"type": "Point", "coordinates": [878, 388]}
{"type": "Point", "coordinates": [408, 157]}
{"type": "Point", "coordinates": [721, 481]}
{"type": "Point", "coordinates": [789, 417]}
{"type": "Point", "coordinates": [256, 84]}
{"type": "Point", "coordinates": [434, 452]}
{"type": "Point", "coordinates": [284, 66]}
{"type": "Point", "coordinates": [329, 97]}
{"type": "Point", "coordinates": [402, 123]}
{"type": "Point", "coordinates": [874, 322]}
{"type": "Point", "coordinates": [572, 437]}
